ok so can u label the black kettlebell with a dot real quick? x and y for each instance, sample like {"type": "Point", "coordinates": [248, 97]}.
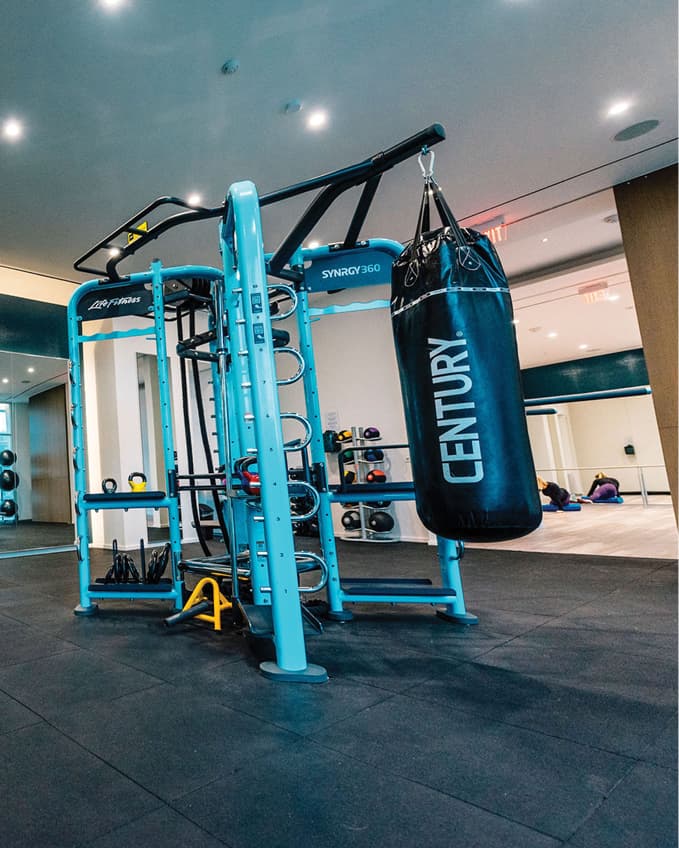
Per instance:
{"type": "Point", "coordinates": [109, 486]}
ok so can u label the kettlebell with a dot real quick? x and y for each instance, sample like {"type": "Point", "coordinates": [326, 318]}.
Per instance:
{"type": "Point", "coordinates": [249, 479]}
{"type": "Point", "coordinates": [137, 481]}
{"type": "Point", "coordinates": [109, 486]}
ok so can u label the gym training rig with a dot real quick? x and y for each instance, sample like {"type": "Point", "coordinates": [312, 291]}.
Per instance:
{"type": "Point", "coordinates": [240, 344]}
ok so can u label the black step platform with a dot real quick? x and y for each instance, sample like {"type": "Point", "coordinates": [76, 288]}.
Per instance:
{"type": "Point", "coordinates": [395, 589]}
{"type": "Point", "coordinates": [141, 588]}
{"type": "Point", "coordinates": [103, 498]}
{"type": "Point", "coordinates": [374, 489]}
{"type": "Point", "coordinates": [259, 621]}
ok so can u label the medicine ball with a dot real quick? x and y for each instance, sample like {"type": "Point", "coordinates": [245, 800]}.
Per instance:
{"type": "Point", "coordinates": [349, 476]}
{"type": "Point", "coordinates": [381, 522]}
{"type": "Point", "coordinates": [344, 436]}
{"type": "Point", "coordinates": [371, 433]}
{"type": "Point", "coordinates": [8, 508]}
{"type": "Point", "coordinates": [7, 457]}
{"type": "Point", "coordinates": [351, 520]}
{"type": "Point", "coordinates": [348, 455]}
{"type": "Point", "coordinates": [9, 480]}
{"type": "Point", "coordinates": [376, 476]}
{"type": "Point", "coordinates": [381, 504]}
{"type": "Point", "coordinates": [373, 455]}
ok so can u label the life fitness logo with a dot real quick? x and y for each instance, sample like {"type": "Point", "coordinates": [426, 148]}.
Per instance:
{"type": "Point", "coordinates": [111, 303]}
{"type": "Point", "coordinates": [350, 271]}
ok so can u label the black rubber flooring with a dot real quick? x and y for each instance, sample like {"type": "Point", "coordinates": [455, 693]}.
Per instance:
{"type": "Point", "coordinates": [553, 722]}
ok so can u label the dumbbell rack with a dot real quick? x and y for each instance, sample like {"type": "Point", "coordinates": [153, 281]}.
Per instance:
{"type": "Point", "coordinates": [364, 533]}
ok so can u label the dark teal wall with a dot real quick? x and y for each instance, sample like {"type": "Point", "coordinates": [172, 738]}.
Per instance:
{"type": "Point", "coordinates": [31, 326]}
{"type": "Point", "coordinates": [593, 374]}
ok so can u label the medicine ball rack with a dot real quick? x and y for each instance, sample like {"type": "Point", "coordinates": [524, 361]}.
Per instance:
{"type": "Point", "coordinates": [356, 448]}
{"type": "Point", "coordinates": [240, 346]}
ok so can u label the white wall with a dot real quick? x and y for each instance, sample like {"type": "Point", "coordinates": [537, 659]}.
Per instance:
{"type": "Point", "coordinates": [358, 382]}
{"type": "Point", "coordinates": [17, 283]}
{"type": "Point", "coordinates": [602, 428]}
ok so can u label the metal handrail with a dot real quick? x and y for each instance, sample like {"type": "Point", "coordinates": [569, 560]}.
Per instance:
{"type": "Point", "coordinates": [594, 468]}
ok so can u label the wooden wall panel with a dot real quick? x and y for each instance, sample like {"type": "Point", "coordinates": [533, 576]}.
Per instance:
{"type": "Point", "coordinates": [50, 494]}
{"type": "Point", "coordinates": [647, 207]}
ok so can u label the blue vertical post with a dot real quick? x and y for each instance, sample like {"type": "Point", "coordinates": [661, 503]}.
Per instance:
{"type": "Point", "coordinates": [85, 607]}
{"type": "Point", "coordinates": [450, 553]}
{"type": "Point", "coordinates": [245, 281]}
{"type": "Point", "coordinates": [326, 530]}
{"type": "Point", "coordinates": [164, 392]}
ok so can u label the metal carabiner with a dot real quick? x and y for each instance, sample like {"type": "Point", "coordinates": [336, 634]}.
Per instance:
{"type": "Point", "coordinates": [427, 172]}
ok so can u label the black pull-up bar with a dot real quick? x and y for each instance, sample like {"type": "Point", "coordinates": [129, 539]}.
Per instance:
{"type": "Point", "coordinates": [333, 184]}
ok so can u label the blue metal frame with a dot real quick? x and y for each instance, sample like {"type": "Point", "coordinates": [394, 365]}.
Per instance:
{"type": "Point", "coordinates": [260, 429]}
{"type": "Point", "coordinates": [88, 591]}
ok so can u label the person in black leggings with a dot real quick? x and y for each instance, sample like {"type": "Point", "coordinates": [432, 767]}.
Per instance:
{"type": "Point", "coordinates": [558, 496]}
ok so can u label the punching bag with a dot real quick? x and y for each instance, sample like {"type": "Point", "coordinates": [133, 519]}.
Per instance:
{"type": "Point", "coordinates": [456, 349]}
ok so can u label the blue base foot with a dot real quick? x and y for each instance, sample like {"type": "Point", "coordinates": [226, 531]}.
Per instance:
{"type": "Point", "coordinates": [339, 615]}
{"type": "Point", "coordinates": [464, 618]}
{"type": "Point", "coordinates": [311, 674]}
{"type": "Point", "coordinates": [93, 609]}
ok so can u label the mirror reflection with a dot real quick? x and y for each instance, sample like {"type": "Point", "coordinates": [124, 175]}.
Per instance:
{"type": "Point", "coordinates": [36, 501]}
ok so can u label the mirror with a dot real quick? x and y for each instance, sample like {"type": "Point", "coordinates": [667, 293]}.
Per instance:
{"type": "Point", "coordinates": [36, 476]}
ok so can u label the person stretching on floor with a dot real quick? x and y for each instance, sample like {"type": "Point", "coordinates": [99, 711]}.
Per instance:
{"type": "Point", "coordinates": [558, 496]}
{"type": "Point", "coordinates": [602, 489]}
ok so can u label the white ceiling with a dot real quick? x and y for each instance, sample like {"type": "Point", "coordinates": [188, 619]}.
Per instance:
{"type": "Point", "coordinates": [121, 107]}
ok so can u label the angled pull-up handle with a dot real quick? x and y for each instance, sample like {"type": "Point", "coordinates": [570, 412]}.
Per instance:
{"type": "Point", "coordinates": [339, 181]}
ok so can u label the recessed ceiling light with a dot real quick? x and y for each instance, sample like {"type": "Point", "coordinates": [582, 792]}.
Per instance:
{"type": "Point", "coordinates": [313, 244]}
{"type": "Point", "coordinates": [194, 199]}
{"type": "Point", "coordinates": [552, 335]}
{"type": "Point", "coordinates": [5, 380]}
{"type": "Point", "coordinates": [111, 5]}
{"type": "Point", "coordinates": [114, 252]}
{"type": "Point", "coordinates": [613, 297]}
{"type": "Point", "coordinates": [12, 129]}
{"type": "Point", "coordinates": [545, 239]}
{"type": "Point", "coordinates": [317, 119]}
{"type": "Point", "coordinates": [618, 108]}
{"type": "Point", "coordinates": [31, 370]}
{"type": "Point", "coordinates": [583, 347]}
{"type": "Point", "coordinates": [635, 130]}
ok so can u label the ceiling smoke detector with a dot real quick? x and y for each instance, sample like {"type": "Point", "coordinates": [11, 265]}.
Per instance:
{"type": "Point", "coordinates": [230, 66]}
{"type": "Point", "coordinates": [292, 106]}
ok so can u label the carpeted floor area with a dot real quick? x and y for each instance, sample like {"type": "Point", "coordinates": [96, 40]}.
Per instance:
{"type": "Point", "coordinates": [553, 722]}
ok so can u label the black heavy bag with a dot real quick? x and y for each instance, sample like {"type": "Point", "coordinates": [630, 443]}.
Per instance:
{"type": "Point", "coordinates": [456, 349]}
